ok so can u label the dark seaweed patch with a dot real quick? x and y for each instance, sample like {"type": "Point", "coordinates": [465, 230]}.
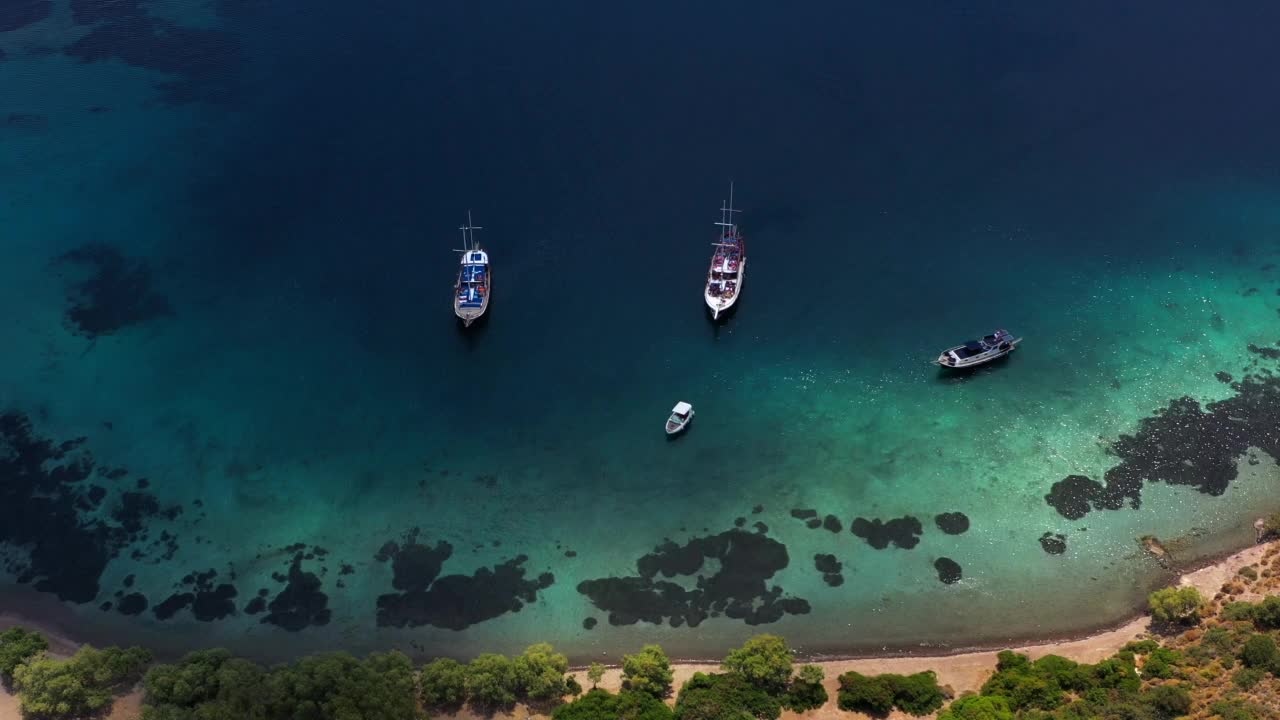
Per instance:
{"type": "Point", "coordinates": [831, 523]}
{"type": "Point", "coordinates": [454, 602]}
{"type": "Point", "coordinates": [199, 59]}
{"type": "Point", "coordinates": [1223, 377]}
{"type": "Point", "coordinates": [43, 508]}
{"type": "Point", "coordinates": [952, 523]}
{"type": "Point", "coordinates": [300, 604]}
{"type": "Point", "coordinates": [589, 623]}
{"type": "Point", "coordinates": [760, 527]}
{"type": "Point", "coordinates": [827, 563]}
{"type": "Point", "coordinates": [903, 532]}
{"type": "Point", "coordinates": [15, 14]}
{"type": "Point", "coordinates": [813, 523]}
{"type": "Point", "coordinates": [1054, 544]}
{"type": "Point", "coordinates": [830, 568]}
{"type": "Point", "coordinates": [803, 514]}
{"type": "Point", "coordinates": [256, 605]}
{"type": "Point", "coordinates": [737, 589]}
{"type": "Point", "coordinates": [948, 570]}
{"type": "Point", "coordinates": [1182, 444]}
{"type": "Point", "coordinates": [116, 294]}
{"type": "Point", "coordinates": [132, 604]}
{"type": "Point", "coordinates": [172, 604]}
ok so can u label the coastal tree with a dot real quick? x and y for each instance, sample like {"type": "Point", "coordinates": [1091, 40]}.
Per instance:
{"type": "Point", "coordinates": [18, 645]}
{"type": "Point", "coordinates": [595, 674]}
{"type": "Point", "coordinates": [442, 685]}
{"type": "Point", "coordinates": [648, 671]}
{"type": "Point", "coordinates": [764, 661]}
{"type": "Point", "coordinates": [491, 681]}
{"type": "Point", "coordinates": [917, 694]}
{"type": "Point", "coordinates": [1176, 605]}
{"type": "Point", "coordinates": [539, 673]}
{"type": "Point", "coordinates": [81, 685]}
{"type": "Point", "coordinates": [805, 692]}
{"type": "Point", "coordinates": [222, 685]}
{"type": "Point", "coordinates": [724, 697]}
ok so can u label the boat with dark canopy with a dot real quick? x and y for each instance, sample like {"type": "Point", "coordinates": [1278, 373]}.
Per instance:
{"type": "Point", "coordinates": [474, 286]}
{"type": "Point", "coordinates": [978, 352]}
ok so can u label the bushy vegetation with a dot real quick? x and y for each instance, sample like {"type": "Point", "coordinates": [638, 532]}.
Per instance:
{"type": "Point", "coordinates": [442, 685]}
{"type": "Point", "coordinates": [725, 697]}
{"type": "Point", "coordinates": [648, 671]}
{"type": "Point", "coordinates": [978, 707]}
{"type": "Point", "coordinates": [1176, 605]}
{"type": "Point", "coordinates": [876, 695]}
{"type": "Point", "coordinates": [805, 691]}
{"type": "Point", "coordinates": [212, 684]}
{"type": "Point", "coordinates": [84, 684]}
{"type": "Point", "coordinates": [602, 705]}
{"type": "Point", "coordinates": [18, 645]}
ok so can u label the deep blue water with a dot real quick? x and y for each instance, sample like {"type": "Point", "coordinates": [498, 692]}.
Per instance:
{"type": "Point", "coordinates": [1095, 176]}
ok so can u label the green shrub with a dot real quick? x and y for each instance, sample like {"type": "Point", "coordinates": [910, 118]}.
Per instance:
{"type": "Point", "coordinates": [860, 693]}
{"type": "Point", "coordinates": [978, 707]}
{"type": "Point", "coordinates": [917, 694]}
{"type": "Point", "coordinates": [1236, 709]}
{"type": "Point", "coordinates": [595, 673]}
{"type": "Point", "coordinates": [601, 705]}
{"type": "Point", "coordinates": [1238, 612]}
{"type": "Point", "coordinates": [1141, 647]}
{"type": "Point", "coordinates": [492, 682]}
{"type": "Point", "coordinates": [806, 691]}
{"type": "Point", "coordinates": [1116, 673]}
{"type": "Point", "coordinates": [647, 671]}
{"type": "Point", "coordinates": [84, 684]}
{"type": "Point", "coordinates": [1245, 678]}
{"type": "Point", "coordinates": [724, 697]}
{"type": "Point", "coordinates": [1266, 614]}
{"type": "Point", "coordinates": [1161, 663]}
{"type": "Point", "coordinates": [442, 684]}
{"type": "Point", "coordinates": [763, 660]}
{"type": "Point", "coordinates": [1168, 701]}
{"type": "Point", "coordinates": [1260, 652]}
{"type": "Point", "coordinates": [1176, 605]}
{"type": "Point", "coordinates": [1023, 689]}
{"type": "Point", "coordinates": [18, 645]}
{"type": "Point", "coordinates": [1248, 572]}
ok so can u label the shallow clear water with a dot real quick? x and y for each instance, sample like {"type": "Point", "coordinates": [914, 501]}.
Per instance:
{"type": "Point", "coordinates": [1102, 183]}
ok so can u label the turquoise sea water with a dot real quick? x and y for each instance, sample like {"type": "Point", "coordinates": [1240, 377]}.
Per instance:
{"type": "Point", "coordinates": [265, 337]}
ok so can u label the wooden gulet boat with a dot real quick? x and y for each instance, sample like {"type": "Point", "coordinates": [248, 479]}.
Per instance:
{"type": "Point", "coordinates": [728, 264]}
{"type": "Point", "coordinates": [474, 287]}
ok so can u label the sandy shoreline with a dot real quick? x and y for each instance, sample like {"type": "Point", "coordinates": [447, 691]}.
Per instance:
{"type": "Point", "coordinates": [963, 670]}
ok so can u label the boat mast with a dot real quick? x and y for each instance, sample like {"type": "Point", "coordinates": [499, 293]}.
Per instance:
{"type": "Point", "coordinates": [726, 216]}
{"type": "Point", "coordinates": [469, 235]}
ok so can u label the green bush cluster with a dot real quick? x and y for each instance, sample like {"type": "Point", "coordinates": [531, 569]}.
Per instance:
{"type": "Point", "coordinates": [805, 691]}
{"type": "Point", "coordinates": [212, 684]}
{"type": "Point", "coordinates": [1264, 615]}
{"type": "Point", "coordinates": [876, 695]}
{"type": "Point", "coordinates": [601, 705]}
{"type": "Point", "coordinates": [17, 646]}
{"type": "Point", "coordinates": [82, 685]}
{"type": "Point", "coordinates": [725, 697]}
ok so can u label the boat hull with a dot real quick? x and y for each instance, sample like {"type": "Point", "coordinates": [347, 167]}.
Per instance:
{"type": "Point", "coordinates": [719, 305]}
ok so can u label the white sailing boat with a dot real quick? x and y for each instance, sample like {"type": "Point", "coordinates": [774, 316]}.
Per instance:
{"type": "Point", "coordinates": [474, 287]}
{"type": "Point", "coordinates": [728, 264]}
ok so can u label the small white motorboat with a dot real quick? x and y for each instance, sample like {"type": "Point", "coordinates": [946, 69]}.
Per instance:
{"type": "Point", "coordinates": [978, 352]}
{"type": "Point", "coordinates": [681, 414]}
